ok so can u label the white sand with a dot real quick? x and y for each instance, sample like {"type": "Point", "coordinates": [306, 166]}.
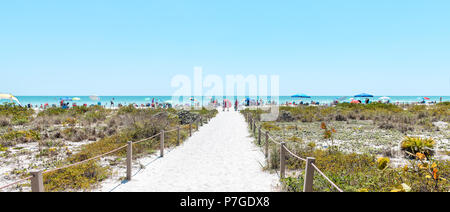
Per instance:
{"type": "Point", "coordinates": [220, 157]}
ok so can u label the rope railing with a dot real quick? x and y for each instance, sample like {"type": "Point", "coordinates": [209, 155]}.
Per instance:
{"type": "Point", "coordinates": [85, 161]}
{"type": "Point", "coordinates": [16, 182]}
{"type": "Point", "coordinates": [273, 140]}
{"type": "Point", "coordinates": [294, 155]}
{"type": "Point", "coordinates": [37, 176]}
{"type": "Point", "coordinates": [146, 139]}
{"type": "Point", "coordinates": [323, 175]}
{"type": "Point", "coordinates": [309, 168]}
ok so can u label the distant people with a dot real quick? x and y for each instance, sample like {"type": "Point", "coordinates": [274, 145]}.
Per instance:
{"type": "Point", "coordinates": [236, 103]}
{"type": "Point", "coordinates": [223, 105]}
{"type": "Point", "coordinates": [367, 101]}
{"type": "Point", "coordinates": [440, 99]}
{"type": "Point", "coordinates": [112, 102]}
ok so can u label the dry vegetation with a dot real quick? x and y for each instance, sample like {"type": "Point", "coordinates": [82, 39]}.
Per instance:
{"type": "Point", "coordinates": [56, 137]}
{"type": "Point", "coordinates": [375, 147]}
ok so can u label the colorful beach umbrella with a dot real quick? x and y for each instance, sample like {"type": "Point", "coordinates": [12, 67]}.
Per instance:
{"type": "Point", "coordinates": [10, 97]}
{"type": "Point", "coordinates": [384, 98]}
{"type": "Point", "coordinates": [426, 98]}
{"type": "Point", "coordinates": [363, 95]}
{"type": "Point", "coordinates": [76, 99]}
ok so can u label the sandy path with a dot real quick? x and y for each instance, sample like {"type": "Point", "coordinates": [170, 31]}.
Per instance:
{"type": "Point", "coordinates": [220, 157]}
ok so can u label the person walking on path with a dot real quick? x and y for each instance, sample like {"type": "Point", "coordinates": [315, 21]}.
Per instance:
{"type": "Point", "coordinates": [224, 105]}
{"type": "Point", "coordinates": [112, 103]}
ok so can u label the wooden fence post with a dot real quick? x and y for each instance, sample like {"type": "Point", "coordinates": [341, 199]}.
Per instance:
{"type": "Point", "coordinates": [259, 136]}
{"type": "Point", "coordinates": [251, 124]}
{"type": "Point", "coordinates": [282, 160]}
{"type": "Point", "coordinates": [129, 159]}
{"type": "Point", "coordinates": [309, 175]}
{"type": "Point", "coordinates": [267, 144]}
{"type": "Point", "coordinates": [254, 128]}
{"type": "Point", "coordinates": [37, 182]}
{"type": "Point", "coordinates": [196, 125]}
{"type": "Point", "coordinates": [178, 135]}
{"type": "Point", "coordinates": [201, 121]}
{"type": "Point", "coordinates": [190, 129]}
{"type": "Point", "coordinates": [161, 147]}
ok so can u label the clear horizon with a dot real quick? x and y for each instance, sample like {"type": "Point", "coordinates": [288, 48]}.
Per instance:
{"type": "Point", "coordinates": [134, 48]}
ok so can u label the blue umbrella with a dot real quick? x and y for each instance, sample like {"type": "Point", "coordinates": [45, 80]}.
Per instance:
{"type": "Point", "coordinates": [364, 95]}
{"type": "Point", "coordinates": [300, 96]}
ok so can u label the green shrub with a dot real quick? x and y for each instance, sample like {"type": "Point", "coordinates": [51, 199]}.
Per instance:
{"type": "Point", "coordinates": [382, 163]}
{"type": "Point", "coordinates": [270, 126]}
{"type": "Point", "coordinates": [79, 177]}
{"type": "Point", "coordinates": [22, 136]}
{"type": "Point", "coordinates": [19, 115]}
{"type": "Point", "coordinates": [52, 111]}
{"type": "Point", "coordinates": [415, 144]}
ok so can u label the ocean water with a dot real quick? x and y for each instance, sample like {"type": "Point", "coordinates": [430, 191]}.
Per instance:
{"type": "Point", "coordinates": [125, 100]}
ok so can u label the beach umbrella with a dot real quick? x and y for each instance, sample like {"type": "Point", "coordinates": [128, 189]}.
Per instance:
{"type": "Point", "coordinates": [426, 98]}
{"type": "Point", "coordinates": [10, 97]}
{"type": "Point", "coordinates": [94, 98]}
{"type": "Point", "coordinates": [363, 95]}
{"type": "Point", "coordinates": [76, 99]}
{"type": "Point", "coordinates": [300, 96]}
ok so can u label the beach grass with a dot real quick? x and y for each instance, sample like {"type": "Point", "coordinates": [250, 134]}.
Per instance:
{"type": "Point", "coordinates": [66, 136]}
{"type": "Point", "coordinates": [356, 150]}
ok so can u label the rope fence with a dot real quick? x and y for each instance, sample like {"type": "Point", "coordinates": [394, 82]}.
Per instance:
{"type": "Point", "coordinates": [37, 182]}
{"type": "Point", "coordinates": [294, 155]}
{"type": "Point", "coordinates": [85, 161]}
{"type": "Point", "coordinates": [310, 161]}
{"type": "Point", "coordinates": [323, 175]}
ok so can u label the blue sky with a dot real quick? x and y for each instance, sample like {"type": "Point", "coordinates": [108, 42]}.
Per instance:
{"type": "Point", "coordinates": [319, 47]}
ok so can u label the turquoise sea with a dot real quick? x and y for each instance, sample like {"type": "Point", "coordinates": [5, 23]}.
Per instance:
{"type": "Point", "coordinates": [125, 100]}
